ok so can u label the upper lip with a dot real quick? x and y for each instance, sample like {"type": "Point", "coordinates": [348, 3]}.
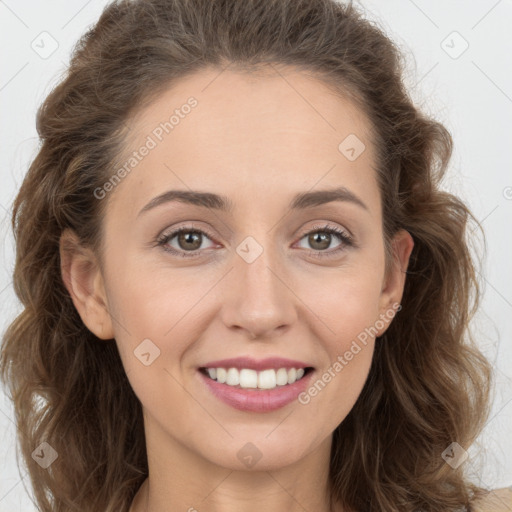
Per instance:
{"type": "Point", "coordinates": [256, 364]}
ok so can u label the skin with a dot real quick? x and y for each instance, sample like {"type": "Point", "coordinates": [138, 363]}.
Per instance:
{"type": "Point", "coordinates": [498, 500]}
{"type": "Point", "coordinates": [258, 140]}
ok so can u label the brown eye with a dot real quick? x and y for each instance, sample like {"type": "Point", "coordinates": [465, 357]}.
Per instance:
{"type": "Point", "coordinates": [320, 240]}
{"type": "Point", "coordinates": [189, 240]}
{"type": "Point", "coordinates": [184, 242]}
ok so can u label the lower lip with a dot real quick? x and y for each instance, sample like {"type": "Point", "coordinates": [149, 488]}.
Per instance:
{"type": "Point", "coordinates": [255, 400]}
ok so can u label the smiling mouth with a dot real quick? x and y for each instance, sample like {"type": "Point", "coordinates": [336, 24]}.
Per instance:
{"type": "Point", "coordinates": [246, 378]}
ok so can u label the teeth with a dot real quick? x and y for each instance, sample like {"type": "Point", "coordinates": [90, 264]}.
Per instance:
{"type": "Point", "coordinates": [221, 375]}
{"type": "Point", "coordinates": [246, 378]}
{"type": "Point", "coordinates": [267, 379]}
{"type": "Point", "coordinates": [233, 377]}
{"type": "Point", "coordinates": [281, 377]}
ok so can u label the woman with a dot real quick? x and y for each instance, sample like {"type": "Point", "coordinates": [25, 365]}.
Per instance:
{"type": "Point", "coordinates": [243, 286]}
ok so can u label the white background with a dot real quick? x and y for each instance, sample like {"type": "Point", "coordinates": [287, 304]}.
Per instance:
{"type": "Point", "coordinates": [470, 94]}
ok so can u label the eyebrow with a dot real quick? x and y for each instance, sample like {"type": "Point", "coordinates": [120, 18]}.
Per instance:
{"type": "Point", "coordinates": [300, 201]}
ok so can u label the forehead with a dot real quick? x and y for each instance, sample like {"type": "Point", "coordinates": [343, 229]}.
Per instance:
{"type": "Point", "coordinates": [230, 131]}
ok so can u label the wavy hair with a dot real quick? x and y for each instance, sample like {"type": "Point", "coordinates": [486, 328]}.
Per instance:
{"type": "Point", "coordinates": [429, 384]}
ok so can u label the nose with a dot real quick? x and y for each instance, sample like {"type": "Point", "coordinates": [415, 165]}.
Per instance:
{"type": "Point", "coordinates": [256, 298]}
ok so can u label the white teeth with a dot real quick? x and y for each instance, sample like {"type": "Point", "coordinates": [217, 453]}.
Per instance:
{"type": "Point", "coordinates": [233, 377]}
{"type": "Point", "coordinates": [267, 379]}
{"type": "Point", "coordinates": [247, 378]}
{"type": "Point", "coordinates": [281, 377]}
{"type": "Point", "coordinates": [221, 375]}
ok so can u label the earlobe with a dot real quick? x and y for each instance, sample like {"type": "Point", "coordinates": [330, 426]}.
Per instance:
{"type": "Point", "coordinates": [83, 280]}
{"type": "Point", "coordinates": [402, 245]}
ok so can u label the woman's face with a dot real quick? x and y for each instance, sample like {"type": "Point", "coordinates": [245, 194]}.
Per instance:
{"type": "Point", "coordinates": [260, 277]}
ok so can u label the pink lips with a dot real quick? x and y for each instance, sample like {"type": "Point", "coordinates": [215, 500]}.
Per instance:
{"type": "Point", "coordinates": [256, 400]}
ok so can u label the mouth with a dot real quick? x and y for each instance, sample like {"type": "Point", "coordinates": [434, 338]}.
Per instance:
{"type": "Point", "coordinates": [256, 391]}
{"type": "Point", "coordinates": [248, 378]}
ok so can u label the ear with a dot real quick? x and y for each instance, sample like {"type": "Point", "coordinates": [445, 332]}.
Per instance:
{"type": "Point", "coordinates": [394, 281]}
{"type": "Point", "coordinates": [83, 280]}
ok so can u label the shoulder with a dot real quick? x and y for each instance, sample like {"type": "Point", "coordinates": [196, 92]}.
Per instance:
{"type": "Point", "coordinates": [498, 500]}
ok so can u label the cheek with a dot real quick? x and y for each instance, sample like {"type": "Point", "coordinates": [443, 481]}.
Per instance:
{"type": "Point", "coordinates": [346, 302]}
{"type": "Point", "coordinates": [348, 307]}
{"type": "Point", "coordinates": [350, 351]}
{"type": "Point", "coordinates": [151, 302]}
{"type": "Point", "coordinates": [159, 314]}
{"type": "Point", "coordinates": [144, 314]}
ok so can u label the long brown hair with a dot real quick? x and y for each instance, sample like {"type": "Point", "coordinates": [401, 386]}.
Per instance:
{"type": "Point", "coordinates": [428, 385]}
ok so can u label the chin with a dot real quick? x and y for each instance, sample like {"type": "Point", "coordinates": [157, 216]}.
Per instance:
{"type": "Point", "coordinates": [255, 453]}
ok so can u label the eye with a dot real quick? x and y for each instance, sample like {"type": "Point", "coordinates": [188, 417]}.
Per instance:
{"type": "Point", "coordinates": [320, 239]}
{"type": "Point", "coordinates": [189, 241]}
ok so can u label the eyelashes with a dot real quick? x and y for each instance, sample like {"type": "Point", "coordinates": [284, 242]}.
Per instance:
{"type": "Point", "coordinates": [165, 238]}
{"type": "Point", "coordinates": [332, 231]}
{"type": "Point", "coordinates": [183, 236]}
